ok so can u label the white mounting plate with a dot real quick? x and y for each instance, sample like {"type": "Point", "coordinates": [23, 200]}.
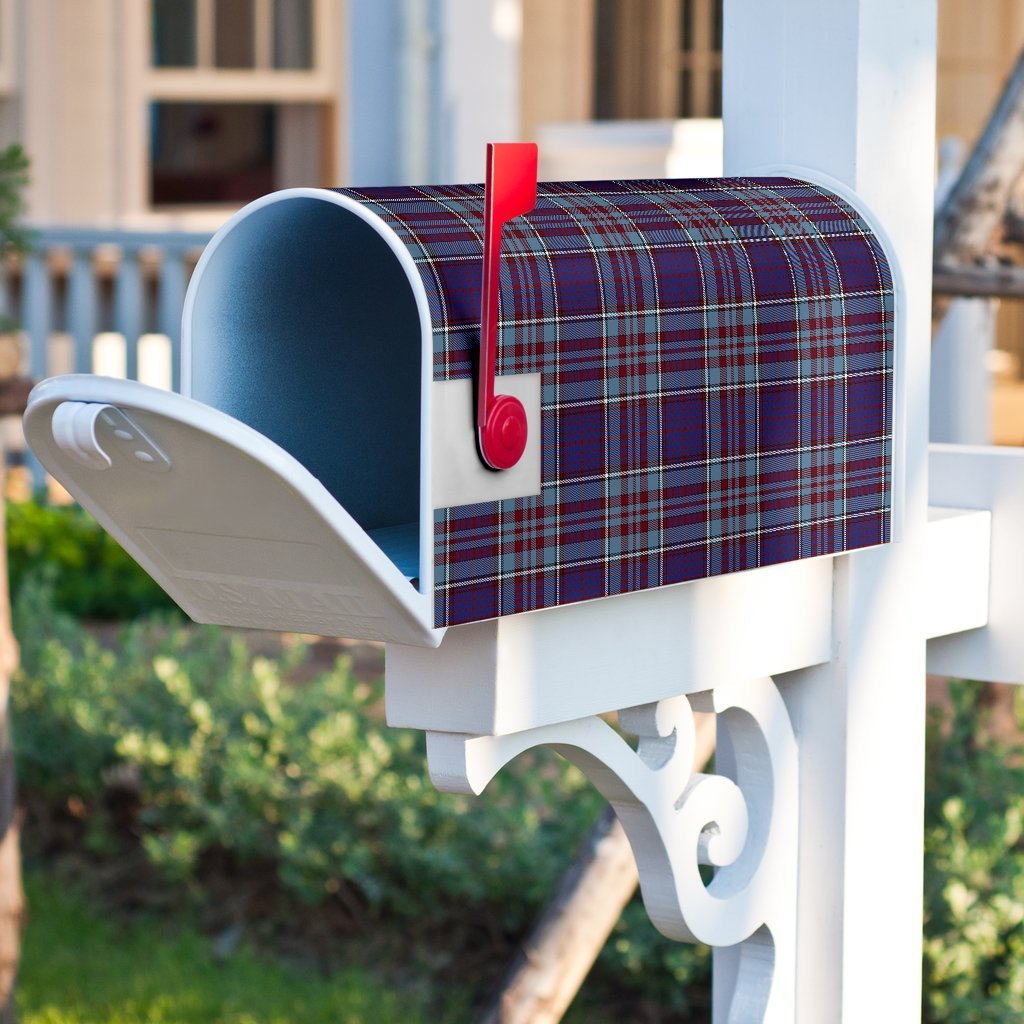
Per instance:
{"type": "Point", "coordinates": [558, 664]}
{"type": "Point", "coordinates": [229, 524]}
{"type": "Point", "coordinates": [965, 476]}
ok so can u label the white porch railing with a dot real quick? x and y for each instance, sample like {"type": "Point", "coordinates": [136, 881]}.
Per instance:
{"type": "Point", "coordinates": [99, 301]}
{"type": "Point", "coordinates": [102, 301]}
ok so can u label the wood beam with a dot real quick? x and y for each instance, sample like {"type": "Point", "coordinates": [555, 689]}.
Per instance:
{"type": "Point", "coordinates": [971, 216]}
{"type": "Point", "coordinates": [1003, 281]}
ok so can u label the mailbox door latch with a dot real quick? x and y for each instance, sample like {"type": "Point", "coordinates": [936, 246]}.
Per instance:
{"type": "Point", "coordinates": [87, 432]}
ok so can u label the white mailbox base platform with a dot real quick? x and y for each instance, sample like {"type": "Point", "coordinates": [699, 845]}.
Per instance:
{"type": "Point", "coordinates": [522, 671]}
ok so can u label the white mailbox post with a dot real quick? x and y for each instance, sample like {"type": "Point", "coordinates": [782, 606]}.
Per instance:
{"type": "Point", "coordinates": [712, 495]}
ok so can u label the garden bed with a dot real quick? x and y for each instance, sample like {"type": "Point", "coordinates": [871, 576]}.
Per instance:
{"type": "Point", "coordinates": [249, 780]}
{"type": "Point", "coordinates": [243, 785]}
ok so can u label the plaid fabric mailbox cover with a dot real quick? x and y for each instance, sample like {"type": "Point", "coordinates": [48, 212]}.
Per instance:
{"type": "Point", "coordinates": [716, 360]}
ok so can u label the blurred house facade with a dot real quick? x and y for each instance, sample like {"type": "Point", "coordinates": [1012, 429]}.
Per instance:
{"type": "Point", "coordinates": [167, 113]}
{"type": "Point", "coordinates": [149, 122]}
{"type": "Point", "coordinates": [172, 113]}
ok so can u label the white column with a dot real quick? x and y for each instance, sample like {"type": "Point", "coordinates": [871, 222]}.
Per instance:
{"type": "Point", "coordinates": [848, 89]}
{"type": "Point", "coordinates": [431, 82]}
{"type": "Point", "coordinates": [372, 35]}
{"type": "Point", "coordinates": [961, 381]}
{"type": "Point", "coordinates": [479, 83]}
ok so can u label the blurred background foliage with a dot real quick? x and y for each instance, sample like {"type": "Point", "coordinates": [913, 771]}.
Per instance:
{"type": "Point", "coordinates": [167, 766]}
{"type": "Point", "coordinates": [267, 794]}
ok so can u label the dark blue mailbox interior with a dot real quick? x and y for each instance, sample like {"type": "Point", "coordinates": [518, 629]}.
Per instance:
{"type": "Point", "coordinates": [304, 326]}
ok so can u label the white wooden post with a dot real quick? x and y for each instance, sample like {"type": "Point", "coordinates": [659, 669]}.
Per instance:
{"type": "Point", "coordinates": [961, 382]}
{"type": "Point", "coordinates": [961, 389]}
{"type": "Point", "coordinates": [479, 82]}
{"type": "Point", "coordinates": [848, 89]}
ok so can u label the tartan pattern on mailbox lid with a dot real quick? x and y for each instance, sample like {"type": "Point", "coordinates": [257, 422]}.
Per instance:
{"type": "Point", "coordinates": [717, 359]}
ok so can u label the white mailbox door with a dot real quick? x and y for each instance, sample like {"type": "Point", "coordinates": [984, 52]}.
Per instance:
{"type": "Point", "coordinates": [234, 528]}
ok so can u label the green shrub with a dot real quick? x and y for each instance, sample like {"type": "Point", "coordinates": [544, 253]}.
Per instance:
{"type": "Point", "coordinates": [663, 973]}
{"type": "Point", "coordinates": [14, 236]}
{"type": "Point", "coordinates": [974, 869]}
{"type": "Point", "coordinates": [90, 573]}
{"type": "Point", "coordinates": [226, 755]}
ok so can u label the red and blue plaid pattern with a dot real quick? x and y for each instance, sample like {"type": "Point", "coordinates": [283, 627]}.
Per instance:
{"type": "Point", "coordinates": [716, 360]}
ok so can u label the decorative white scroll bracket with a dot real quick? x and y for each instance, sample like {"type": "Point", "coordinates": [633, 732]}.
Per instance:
{"type": "Point", "coordinates": [742, 821]}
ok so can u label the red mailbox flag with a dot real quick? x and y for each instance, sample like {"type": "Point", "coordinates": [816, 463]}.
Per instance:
{"type": "Point", "coordinates": [511, 191]}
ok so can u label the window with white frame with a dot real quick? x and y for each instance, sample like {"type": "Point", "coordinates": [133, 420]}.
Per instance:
{"type": "Point", "coordinates": [238, 34]}
{"type": "Point", "coordinates": [658, 58]}
{"type": "Point", "coordinates": [241, 94]}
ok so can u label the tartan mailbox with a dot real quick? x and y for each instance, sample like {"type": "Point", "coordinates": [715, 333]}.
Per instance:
{"type": "Point", "coordinates": [414, 409]}
{"type": "Point", "coordinates": [704, 369]}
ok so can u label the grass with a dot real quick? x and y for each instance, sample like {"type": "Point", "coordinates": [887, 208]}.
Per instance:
{"type": "Point", "coordinates": [79, 968]}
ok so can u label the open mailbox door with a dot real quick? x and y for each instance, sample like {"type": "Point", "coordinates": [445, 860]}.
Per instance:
{"type": "Point", "coordinates": [234, 528]}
